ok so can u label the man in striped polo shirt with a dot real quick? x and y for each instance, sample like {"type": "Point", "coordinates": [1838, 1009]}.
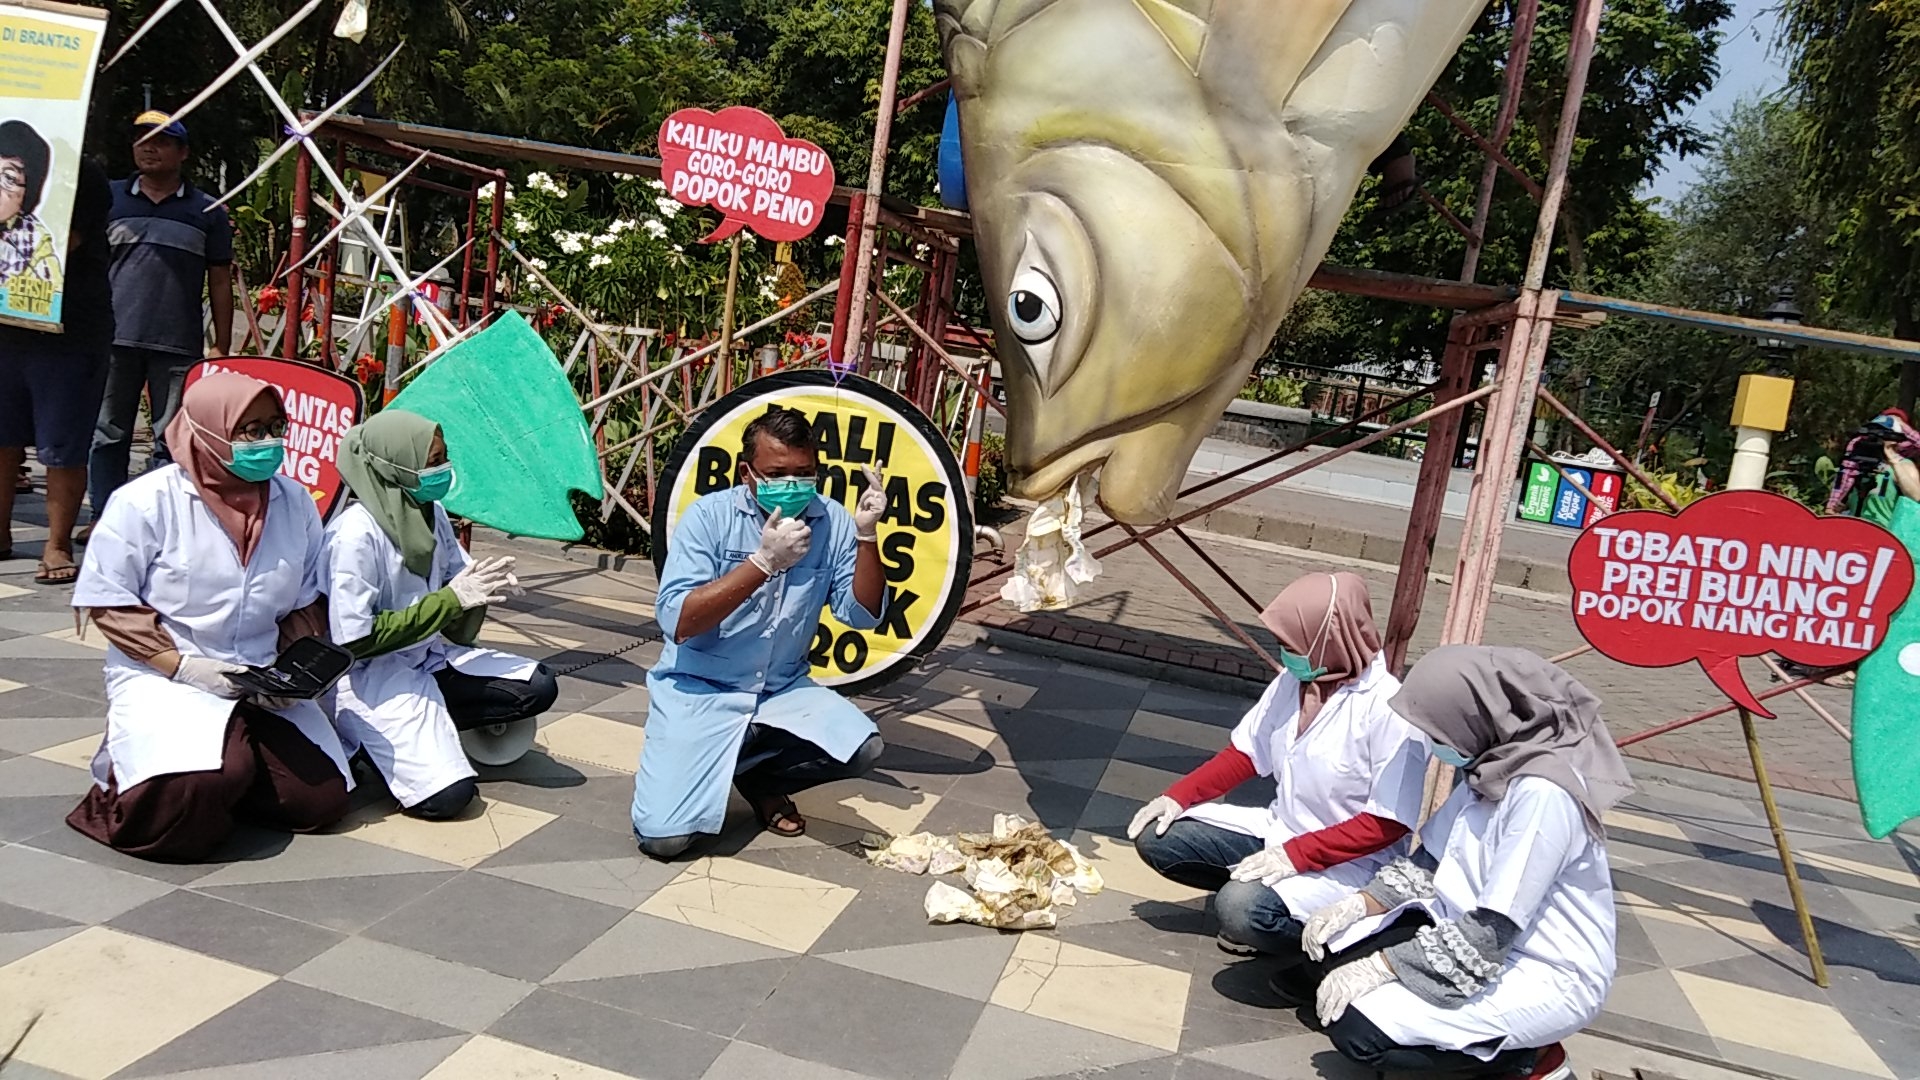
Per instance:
{"type": "Point", "coordinates": [168, 248]}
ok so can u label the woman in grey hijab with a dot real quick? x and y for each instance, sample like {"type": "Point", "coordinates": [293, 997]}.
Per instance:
{"type": "Point", "coordinates": [1512, 948]}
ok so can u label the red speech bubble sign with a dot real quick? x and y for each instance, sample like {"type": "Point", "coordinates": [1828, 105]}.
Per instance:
{"type": "Point", "coordinates": [1743, 573]}
{"type": "Point", "coordinates": [320, 406]}
{"type": "Point", "coordinates": [739, 162]}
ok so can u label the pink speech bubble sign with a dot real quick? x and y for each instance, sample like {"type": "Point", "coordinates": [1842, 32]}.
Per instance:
{"type": "Point", "coordinates": [739, 162]}
{"type": "Point", "coordinates": [1743, 573]}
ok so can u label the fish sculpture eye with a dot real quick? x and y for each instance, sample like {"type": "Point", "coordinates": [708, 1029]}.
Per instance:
{"type": "Point", "coordinates": [1151, 184]}
{"type": "Point", "coordinates": [1033, 308]}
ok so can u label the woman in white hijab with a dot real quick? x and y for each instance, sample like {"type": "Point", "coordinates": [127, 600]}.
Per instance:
{"type": "Point", "coordinates": [1511, 948]}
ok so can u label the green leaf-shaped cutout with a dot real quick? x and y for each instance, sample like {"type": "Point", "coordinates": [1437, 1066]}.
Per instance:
{"type": "Point", "coordinates": [515, 433]}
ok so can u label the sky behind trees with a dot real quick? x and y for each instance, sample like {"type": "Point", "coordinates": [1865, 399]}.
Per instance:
{"type": "Point", "coordinates": [1748, 66]}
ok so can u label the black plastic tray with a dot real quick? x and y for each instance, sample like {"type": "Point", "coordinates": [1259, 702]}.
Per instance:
{"type": "Point", "coordinates": [308, 668]}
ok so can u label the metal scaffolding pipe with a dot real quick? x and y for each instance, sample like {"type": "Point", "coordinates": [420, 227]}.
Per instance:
{"type": "Point", "coordinates": [876, 179]}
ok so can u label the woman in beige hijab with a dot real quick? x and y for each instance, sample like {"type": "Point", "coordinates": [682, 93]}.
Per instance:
{"type": "Point", "coordinates": [1347, 779]}
{"type": "Point", "coordinates": [195, 572]}
{"type": "Point", "coordinates": [1479, 954]}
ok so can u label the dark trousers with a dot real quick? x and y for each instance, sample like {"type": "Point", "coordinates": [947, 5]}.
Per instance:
{"type": "Point", "coordinates": [775, 763]}
{"type": "Point", "coordinates": [1360, 1040]}
{"type": "Point", "coordinates": [129, 371]}
{"type": "Point", "coordinates": [269, 773]}
{"type": "Point", "coordinates": [477, 700]}
{"type": "Point", "coordinates": [1200, 856]}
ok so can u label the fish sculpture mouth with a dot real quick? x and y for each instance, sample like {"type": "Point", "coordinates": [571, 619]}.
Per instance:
{"type": "Point", "coordinates": [1152, 183]}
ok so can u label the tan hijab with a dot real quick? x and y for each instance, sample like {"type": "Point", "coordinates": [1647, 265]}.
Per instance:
{"type": "Point", "coordinates": [216, 403]}
{"type": "Point", "coordinates": [1327, 618]}
{"type": "Point", "coordinates": [1516, 715]}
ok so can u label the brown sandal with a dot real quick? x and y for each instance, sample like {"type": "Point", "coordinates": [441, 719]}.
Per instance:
{"type": "Point", "coordinates": [782, 818]}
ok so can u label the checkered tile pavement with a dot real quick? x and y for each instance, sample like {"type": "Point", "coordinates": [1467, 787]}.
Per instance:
{"type": "Point", "coordinates": [530, 940]}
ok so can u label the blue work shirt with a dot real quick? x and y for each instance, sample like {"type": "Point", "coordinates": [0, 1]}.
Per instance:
{"type": "Point", "coordinates": [752, 668]}
{"type": "Point", "coordinates": [161, 253]}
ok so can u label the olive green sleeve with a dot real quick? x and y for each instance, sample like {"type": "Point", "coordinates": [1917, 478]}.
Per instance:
{"type": "Point", "coordinates": [466, 626]}
{"type": "Point", "coordinates": [437, 612]}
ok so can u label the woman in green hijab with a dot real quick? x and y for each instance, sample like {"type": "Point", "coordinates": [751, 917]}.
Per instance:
{"type": "Point", "coordinates": [408, 602]}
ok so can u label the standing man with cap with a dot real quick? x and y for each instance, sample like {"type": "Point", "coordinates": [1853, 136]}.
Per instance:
{"type": "Point", "coordinates": [168, 248]}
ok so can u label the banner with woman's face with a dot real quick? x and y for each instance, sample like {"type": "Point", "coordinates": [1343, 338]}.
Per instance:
{"type": "Point", "coordinates": [48, 55]}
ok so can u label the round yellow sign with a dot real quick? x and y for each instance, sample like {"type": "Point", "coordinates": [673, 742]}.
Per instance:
{"type": "Point", "coordinates": [926, 538]}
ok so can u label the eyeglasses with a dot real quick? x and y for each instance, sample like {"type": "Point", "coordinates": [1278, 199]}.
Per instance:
{"type": "Point", "coordinates": [12, 180]}
{"type": "Point", "coordinates": [275, 428]}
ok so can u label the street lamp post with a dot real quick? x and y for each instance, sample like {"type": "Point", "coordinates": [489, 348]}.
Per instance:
{"type": "Point", "coordinates": [1760, 408]}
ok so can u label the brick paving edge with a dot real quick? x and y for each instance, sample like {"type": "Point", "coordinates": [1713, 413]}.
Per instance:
{"type": "Point", "coordinates": [1123, 663]}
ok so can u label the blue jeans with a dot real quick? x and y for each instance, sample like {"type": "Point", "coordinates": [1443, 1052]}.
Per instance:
{"type": "Point", "coordinates": [1200, 856]}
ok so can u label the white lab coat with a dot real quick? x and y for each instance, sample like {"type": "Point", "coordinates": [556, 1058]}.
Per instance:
{"type": "Point", "coordinates": [1357, 757]}
{"type": "Point", "coordinates": [1529, 857]}
{"type": "Point", "coordinates": [390, 705]}
{"type": "Point", "coordinates": [157, 545]}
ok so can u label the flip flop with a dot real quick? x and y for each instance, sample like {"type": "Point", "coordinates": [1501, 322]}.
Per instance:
{"type": "Point", "coordinates": [56, 575]}
{"type": "Point", "coordinates": [783, 819]}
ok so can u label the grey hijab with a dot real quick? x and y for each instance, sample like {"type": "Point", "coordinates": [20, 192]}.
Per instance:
{"type": "Point", "coordinates": [1516, 715]}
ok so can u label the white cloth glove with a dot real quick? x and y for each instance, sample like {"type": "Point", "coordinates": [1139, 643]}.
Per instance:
{"type": "Point", "coordinates": [483, 582]}
{"type": "Point", "coordinates": [783, 542]}
{"type": "Point", "coordinates": [1159, 813]}
{"type": "Point", "coordinates": [1323, 925]}
{"type": "Point", "coordinates": [871, 507]}
{"type": "Point", "coordinates": [1268, 866]}
{"type": "Point", "coordinates": [1349, 983]}
{"type": "Point", "coordinates": [209, 675]}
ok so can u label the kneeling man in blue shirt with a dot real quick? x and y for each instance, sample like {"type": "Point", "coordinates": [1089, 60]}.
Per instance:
{"type": "Point", "coordinates": [731, 701]}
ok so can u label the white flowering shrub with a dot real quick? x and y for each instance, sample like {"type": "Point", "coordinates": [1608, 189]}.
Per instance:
{"type": "Point", "coordinates": [624, 251]}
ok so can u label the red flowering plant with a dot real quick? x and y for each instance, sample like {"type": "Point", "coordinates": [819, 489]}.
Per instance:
{"type": "Point", "coordinates": [370, 372]}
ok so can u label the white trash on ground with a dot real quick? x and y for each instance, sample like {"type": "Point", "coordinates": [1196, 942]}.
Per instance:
{"type": "Point", "coordinates": [1018, 874]}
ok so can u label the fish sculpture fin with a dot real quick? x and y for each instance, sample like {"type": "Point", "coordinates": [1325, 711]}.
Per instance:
{"type": "Point", "coordinates": [1184, 25]}
{"type": "Point", "coordinates": [1263, 57]}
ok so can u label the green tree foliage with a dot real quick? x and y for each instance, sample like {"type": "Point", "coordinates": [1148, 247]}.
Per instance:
{"type": "Point", "coordinates": [1654, 60]}
{"type": "Point", "coordinates": [597, 73]}
{"type": "Point", "coordinates": [1855, 74]}
{"type": "Point", "coordinates": [816, 66]}
{"type": "Point", "coordinates": [1751, 225]}
{"type": "Point", "coordinates": [184, 51]}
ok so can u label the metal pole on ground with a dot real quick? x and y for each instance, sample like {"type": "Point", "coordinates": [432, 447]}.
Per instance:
{"type": "Point", "coordinates": [1521, 363]}
{"type": "Point", "coordinates": [876, 177]}
{"type": "Point", "coordinates": [725, 358]}
{"type": "Point", "coordinates": [843, 301]}
{"type": "Point", "coordinates": [292, 295]}
{"type": "Point", "coordinates": [1760, 410]}
{"type": "Point", "coordinates": [396, 345]}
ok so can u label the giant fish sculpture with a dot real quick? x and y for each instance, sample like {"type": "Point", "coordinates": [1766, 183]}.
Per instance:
{"type": "Point", "coordinates": [1152, 182]}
